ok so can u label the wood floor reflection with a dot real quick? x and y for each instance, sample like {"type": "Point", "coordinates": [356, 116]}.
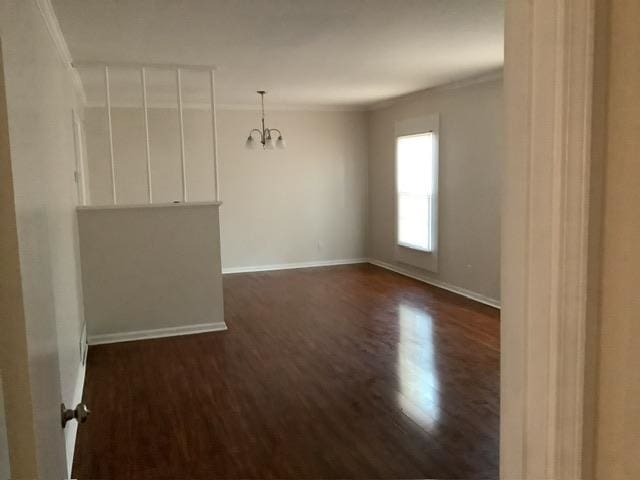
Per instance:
{"type": "Point", "coordinates": [340, 372]}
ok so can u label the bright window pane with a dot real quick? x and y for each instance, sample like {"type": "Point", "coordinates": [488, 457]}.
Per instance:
{"type": "Point", "coordinates": [414, 157]}
{"type": "Point", "coordinates": [415, 164]}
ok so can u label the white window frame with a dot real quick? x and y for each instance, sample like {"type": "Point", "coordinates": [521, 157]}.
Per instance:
{"type": "Point", "coordinates": [412, 254]}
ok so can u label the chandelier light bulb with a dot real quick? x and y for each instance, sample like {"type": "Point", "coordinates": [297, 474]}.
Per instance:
{"type": "Point", "coordinates": [269, 144]}
{"type": "Point", "coordinates": [251, 144]}
{"type": "Point", "coordinates": [280, 143]}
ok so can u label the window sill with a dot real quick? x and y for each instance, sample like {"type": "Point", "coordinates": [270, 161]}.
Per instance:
{"type": "Point", "coordinates": [416, 248]}
{"type": "Point", "coordinates": [426, 260]}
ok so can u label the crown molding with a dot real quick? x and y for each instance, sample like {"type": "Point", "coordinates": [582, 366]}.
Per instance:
{"type": "Point", "coordinates": [137, 65]}
{"type": "Point", "coordinates": [295, 107]}
{"type": "Point", "coordinates": [236, 107]}
{"type": "Point", "coordinates": [486, 77]}
{"type": "Point", "coordinates": [53, 27]}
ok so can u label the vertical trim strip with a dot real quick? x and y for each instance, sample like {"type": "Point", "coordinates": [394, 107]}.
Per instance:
{"type": "Point", "coordinates": [143, 78]}
{"type": "Point", "coordinates": [214, 135]}
{"type": "Point", "coordinates": [181, 120]}
{"type": "Point", "coordinates": [107, 88]}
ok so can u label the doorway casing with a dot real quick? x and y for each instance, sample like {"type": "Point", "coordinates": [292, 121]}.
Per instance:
{"type": "Point", "coordinates": [548, 209]}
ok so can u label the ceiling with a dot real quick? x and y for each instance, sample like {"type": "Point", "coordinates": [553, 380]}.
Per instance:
{"type": "Point", "coordinates": [349, 53]}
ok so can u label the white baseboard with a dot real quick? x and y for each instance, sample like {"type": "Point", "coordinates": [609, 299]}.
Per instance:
{"type": "Point", "coordinates": [156, 333]}
{"type": "Point", "coordinates": [287, 266]}
{"type": "Point", "coordinates": [437, 283]}
{"type": "Point", "coordinates": [71, 429]}
{"type": "Point", "coordinates": [327, 263]}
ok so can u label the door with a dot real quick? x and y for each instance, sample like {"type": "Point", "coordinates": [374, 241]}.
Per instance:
{"type": "Point", "coordinates": [31, 260]}
{"type": "Point", "coordinates": [15, 355]}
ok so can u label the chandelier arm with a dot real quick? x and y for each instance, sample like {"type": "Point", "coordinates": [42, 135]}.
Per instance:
{"type": "Point", "coordinates": [275, 130]}
{"type": "Point", "coordinates": [259, 133]}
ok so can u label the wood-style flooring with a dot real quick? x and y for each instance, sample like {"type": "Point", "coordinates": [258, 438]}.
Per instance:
{"type": "Point", "coordinates": [338, 372]}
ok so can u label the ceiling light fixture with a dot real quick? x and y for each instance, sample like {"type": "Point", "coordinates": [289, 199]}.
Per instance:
{"type": "Point", "coordinates": [266, 134]}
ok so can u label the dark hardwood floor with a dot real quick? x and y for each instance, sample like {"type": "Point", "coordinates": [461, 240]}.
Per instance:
{"type": "Point", "coordinates": [340, 372]}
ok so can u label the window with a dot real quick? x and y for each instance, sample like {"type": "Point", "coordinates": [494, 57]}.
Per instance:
{"type": "Point", "coordinates": [415, 173]}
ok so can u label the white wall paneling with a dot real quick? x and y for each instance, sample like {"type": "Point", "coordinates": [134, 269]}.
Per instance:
{"type": "Point", "coordinates": [214, 137]}
{"type": "Point", "coordinates": [146, 137]}
{"type": "Point", "coordinates": [183, 168]}
{"type": "Point", "coordinates": [147, 149]}
{"type": "Point", "coordinates": [107, 93]}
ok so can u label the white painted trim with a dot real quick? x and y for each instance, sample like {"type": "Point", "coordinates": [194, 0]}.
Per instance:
{"type": "Point", "coordinates": [289, 266]}
{"type": "Point", "coordinates": [328, 263]}
{"type": "Point", "coordinates": [487, 77]}
{"type": "Point", "coordinates": [426, 260]}
{"type": "Point", "coordinates": [478, 297]}
{"type": "Point", "coordinates": [138, 66]}
{"type": "Point", "coordinates": [71, 429]}
{"type": "Point", "coordinates": [545, 212]}
{"type": "Point", "coordinates": [78, 145]}
{"type": "Point", "coordinates": [302, 107]}
{"type": "Point", "coordinates": [236, 107]}
{"type": "Point", "coordinates": [183, 165]}
{"type": "Point", "coordinates": [53, 26]}
{"type": "Point", "coordinates": [214, 133]}
{"type": "Point", "coordinates": [149, 205]}
{"type": "Point", "coordinates": [156, 333]}
{"type": "Point", "coordinates": [112, 164]}
{"type": "Point", "coordinates": [147, 145]}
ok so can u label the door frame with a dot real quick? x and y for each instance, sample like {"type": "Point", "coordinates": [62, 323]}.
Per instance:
{"type": "Point", "coordinates": [549, 263]}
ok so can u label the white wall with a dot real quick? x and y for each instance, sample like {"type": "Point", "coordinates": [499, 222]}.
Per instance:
{"type": "Point", "coordinates": [305, 203]}
{"type": "Point", "coordinates": [330, 194]}
{"type": "Point", "coordinates": [469, 184]}
{"type": "Point", "coordinates": [150, 271]}
{"type": "Point", "coordinates": [40, 99]}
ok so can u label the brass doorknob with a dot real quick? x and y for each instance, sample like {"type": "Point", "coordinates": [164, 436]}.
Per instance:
{"type": "Point", "coordinates": [80, 413]}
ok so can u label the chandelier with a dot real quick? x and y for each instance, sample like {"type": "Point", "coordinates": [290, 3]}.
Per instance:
{"type": "Point", "coordinates": [266, 134]}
